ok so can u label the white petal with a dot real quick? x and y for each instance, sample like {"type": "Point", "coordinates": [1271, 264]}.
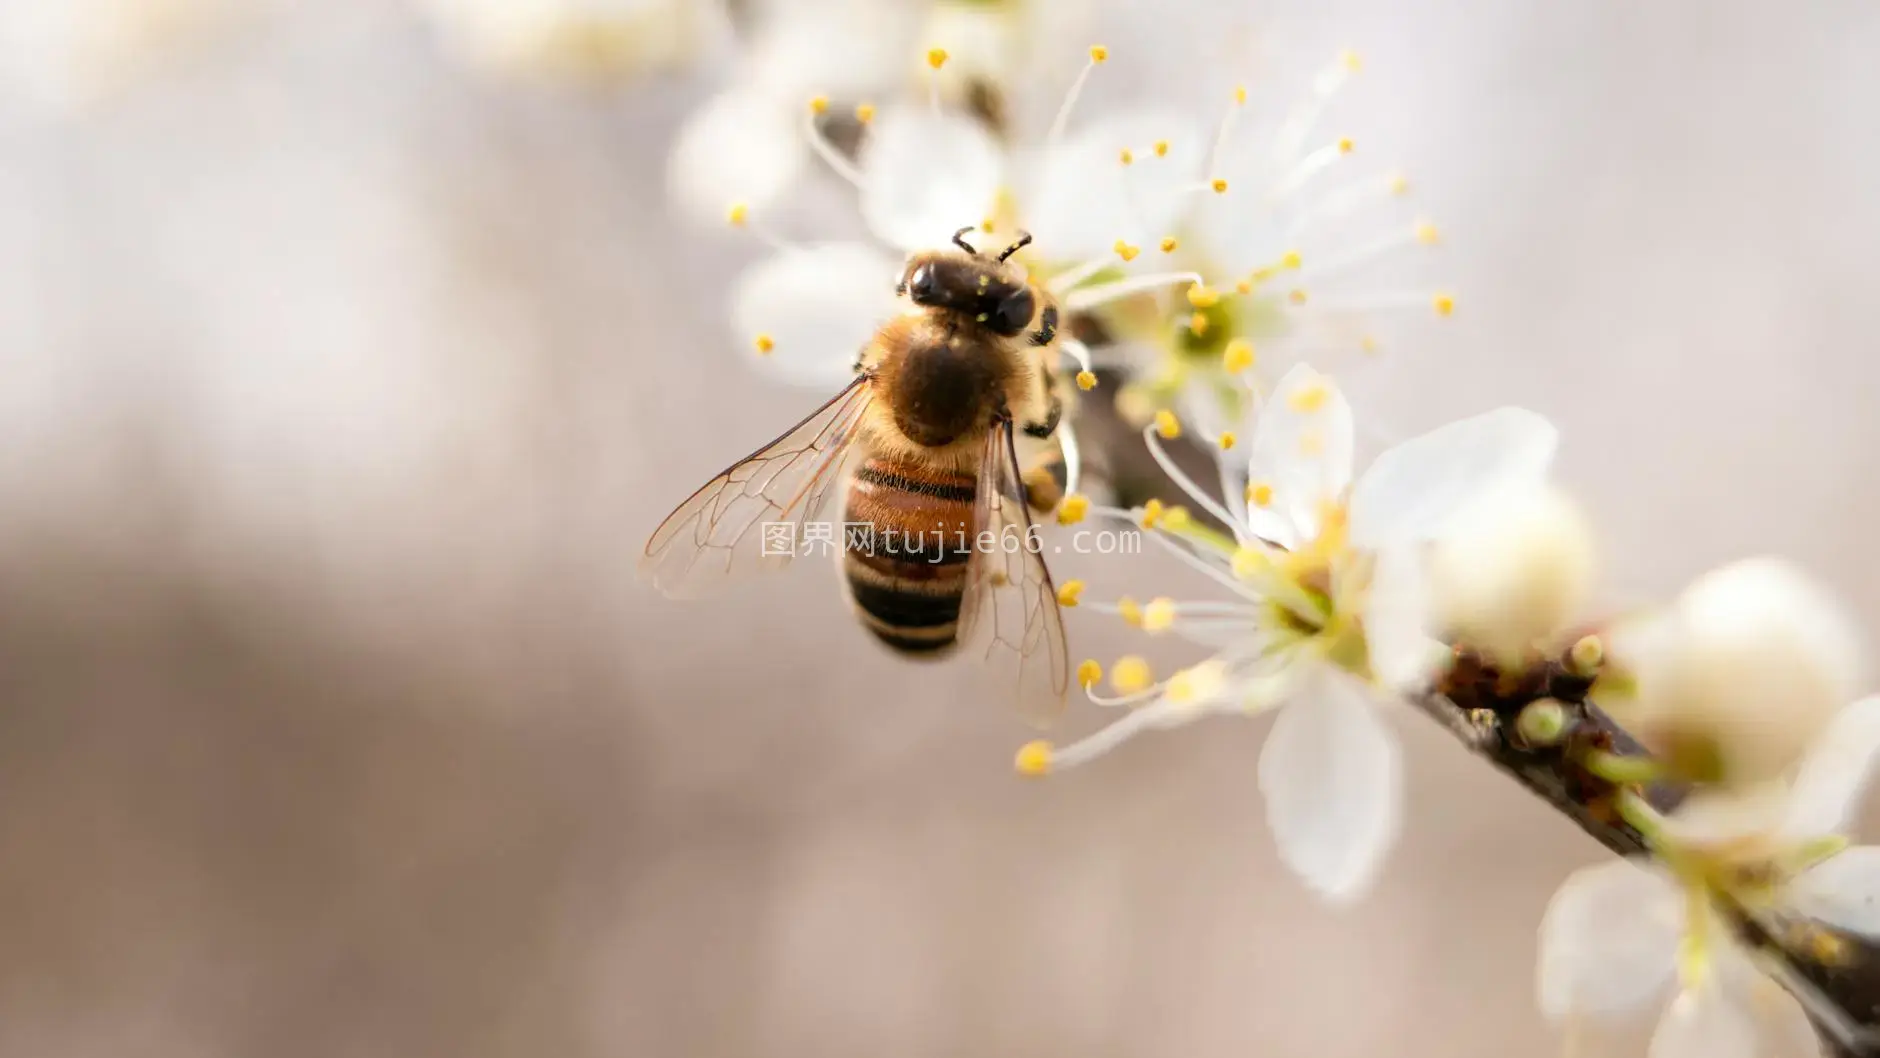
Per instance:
{"type": "Point", "coordinates": [1781, 1024]}
{"type": "Point", "coordinates": [1396, 622]}
{"type": "Point", "coordinates": [1843, 891]}
{"type": "Point", "coordinates": [927, 175]}
{"type": "Point", "coordinates": [1301, 449]}
{"type": "Point", "coordinates": [1412, 489]}
{"type": "Point", "coordinates": [1332, 778]}
{"type": "Point", "coordinates": [1078, 198]}
{"type": "Point", "coordinates": [1705, 1023]}
{"type": "Point", "coordinates": [1835, 772]}
{"type": "Point", "coordinates": [843, 49]}
{"type": "Point", "coordinates": [738, 147]}
{"type": "Point", "coordinates": [1717, 816]}
{"type": "Point", "coordinates": [818, 305]}
{"type": "Point", "coordinates": [1608, 942]}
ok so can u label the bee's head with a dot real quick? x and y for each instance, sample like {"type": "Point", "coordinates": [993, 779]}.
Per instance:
{"type": "Point", "coordinates": [985, 289]}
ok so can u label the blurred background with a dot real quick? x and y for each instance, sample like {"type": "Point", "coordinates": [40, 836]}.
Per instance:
{"type": "Point", "coordinates": [350, 350]}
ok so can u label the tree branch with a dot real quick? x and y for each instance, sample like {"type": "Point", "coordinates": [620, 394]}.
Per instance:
{"type": "Point", "coordinates": [1835, 975]}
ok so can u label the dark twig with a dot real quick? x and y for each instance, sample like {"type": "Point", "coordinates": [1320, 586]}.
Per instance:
{"type": "Point", "coordinates": [1480, 708]}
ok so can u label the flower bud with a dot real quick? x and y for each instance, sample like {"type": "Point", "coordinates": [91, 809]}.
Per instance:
{"type": "Point", "coordinates": [1512, 569]}
{"type": "Point", "coordinates": [1751, 664]}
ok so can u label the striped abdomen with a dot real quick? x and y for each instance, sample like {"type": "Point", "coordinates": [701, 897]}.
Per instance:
{"type": "Point", "coordinates": [907, 574]}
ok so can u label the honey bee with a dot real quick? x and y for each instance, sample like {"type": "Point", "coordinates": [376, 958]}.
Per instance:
{"type": "Point", "coordinates": [931, 422]}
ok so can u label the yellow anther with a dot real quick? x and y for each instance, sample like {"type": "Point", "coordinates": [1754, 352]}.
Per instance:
{"type": "Point", "coordinates": [1245, 286]}
{"type": "Point", "coordinates": [1089, 673]}
{"type": "Point", "coordinates": [936, 57]}
{"type": "Point", "coordinates": [819, 105]}
{"type": "Point", "coordinates": [1131, 675]}
{"type": "Point", "coordinates": [1399, 183]}
{"type": "Point", "coordinates": [1176, 519]}
{"type": "Point", "coordinates": [1067, 595]}
{"type": "Point", "coordinates": [1309, 399]}
{"type": "Point", "coordinates": [738, 214]}
{"type": "Point", "coordinates": [1161, 148]}
{"type": "Point", "coordinates": [1159, 615]}
{"type": "Point", "coordinates": [1226, 440]}
{"type": "Point", "coordinates": [1130, 611]}
{"type": "Point", "coordinates": [1086, 380]}
{"type": "Point", "coordinates": [1345, 145]}
{"type": "Point", "coordinates": [1126, 251]}
{"type": "Point", "coordinates": [865, 112]}
{"type": "Point", "coordinates": [1260, 494]}
{"type": "Point", "coordinates": [1033, 760]}
{"type": "Point", "coordinates": [1198, 324]}
{"type": "Point", "coordinates": [1238, 356]}
{"type": "Point", "coordinates": [1167, 425]}
{"type": "Point", "coordinates": [1426, 233]}
{"type": "Point", "coordinates": [1444, 304]}
{"type": "Point", "coordinates": [1240, 94]}
{"type": "Point", "coordinates": [1368, 343]}
{"type": "Point", "coordinates": [1291, 259]}
{"type": "Point", "coordinates": [1203, 297]}
{"type": "Point", "coordinates": [986, 224]}
{"type": "Point", "coordinates": [1351, 61]}
{"type": "Point", "coordinates": [1099, 53]}
{"type": "Point", "coordinates": [1151, 513]}
{"type": "Point", "coordinates": [1250, 562]}
{"type": "Point", "coordinates": [765, 343]}
{"type": "Point", "coordinates": [1297, 295]}
{"type": "Point", "coordinates": [1169, 244]}
{"type": "Point", "coordinates": [1071, 510]}
{"type": "Point", "coordinates": [1128, 156]}
{"type": "Point", "coordinates": [1219, 185]}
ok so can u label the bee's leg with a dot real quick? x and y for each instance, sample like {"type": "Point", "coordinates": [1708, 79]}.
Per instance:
{"type": "Point", "coordinates": [1044, 482]}
{"type": "Point", "coordinates": [1054, 408]}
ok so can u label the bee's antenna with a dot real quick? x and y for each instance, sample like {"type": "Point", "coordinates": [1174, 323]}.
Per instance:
{"type": "Point", "coordinates": [1024, 240]}
{"type": "Point", "coordinates": [962, 244]}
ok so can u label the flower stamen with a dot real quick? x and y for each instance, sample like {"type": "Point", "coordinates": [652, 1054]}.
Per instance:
{"type": "Point", "coordinates": [1098, 55]}
{"type": "Point", "coordinates": [812, 130]}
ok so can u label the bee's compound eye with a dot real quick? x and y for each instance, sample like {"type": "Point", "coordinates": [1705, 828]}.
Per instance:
{"type": "Point", "coordinates": [1013, 313]}
{"type": "Point", "coordinates": [920, 284]}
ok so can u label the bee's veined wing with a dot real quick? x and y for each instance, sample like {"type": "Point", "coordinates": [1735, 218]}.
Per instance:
{"type": "Point", "coordinates": [752, 516]}
{"type": "Point", "coordinates": [1009, 615]}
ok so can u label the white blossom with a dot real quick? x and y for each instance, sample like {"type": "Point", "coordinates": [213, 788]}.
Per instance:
{"type": "Point", "coordinates": [925, 171]}
{"type": "Point", "coordinates": [1617, 938]}
{"type": "Point", "coordinates": [1289, 223]}
{"type": "Point", "coordinates": [1513, 570]}
{"type": "Point", "coordinates": [1739, 676]}
{"type": "Point", "coordinates": [1325, 612]}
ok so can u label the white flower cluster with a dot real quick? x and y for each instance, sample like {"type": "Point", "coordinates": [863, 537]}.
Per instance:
{"type": "Point", "coordinates": [1338, 594]}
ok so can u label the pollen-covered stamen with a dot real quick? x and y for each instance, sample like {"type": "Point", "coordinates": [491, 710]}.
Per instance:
{"type": "Point", "coordinates": [813, 131]}
{"type": "Point", "coordinates": [1305, 116]}
{"type": "Point", "coordinates": [1090, 297]}
{"type": "Point", "coordinates": [936, 58]}
{"type": "Point", "coordinates": [1442, 303]}
{"type": "Point", "coordinates": [1225, 129]}
{"type": "Point", "coordinates": [1310, 167]}
{"type": "Point", "coordinates": [1152, 437]}
{"type": "Point", "coordinates": [1098, 55]}
{"type": "Point", "coordinates": [1421, 233]}
{"type": "Point", "coordinates": [738, 215]}
{"type": "Point", "coordinates": [1073, 458]}
{"type": "Point", "coordinates": [1342, 203]}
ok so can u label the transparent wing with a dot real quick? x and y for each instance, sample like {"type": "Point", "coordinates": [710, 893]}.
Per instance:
{"type": "Point", "coordinates": [1009, 615]}
{"type": "Point", "coordinates": [753, 516]}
